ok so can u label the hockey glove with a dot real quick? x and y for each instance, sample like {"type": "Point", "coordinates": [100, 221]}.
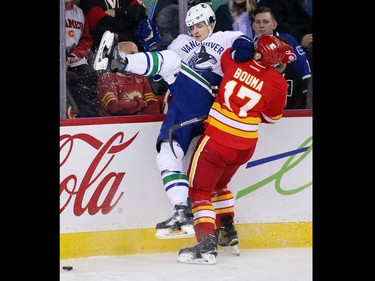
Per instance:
{"type": "Point", "coordinates": [148, 34]}
{"type": "Point", "coordinates": [242, 49]}
{"type": "Point", "coordinates": [289, 54]}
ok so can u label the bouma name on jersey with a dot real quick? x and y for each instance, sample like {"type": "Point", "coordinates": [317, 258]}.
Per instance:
{"type": "Point", "coordinates": [248, 79]}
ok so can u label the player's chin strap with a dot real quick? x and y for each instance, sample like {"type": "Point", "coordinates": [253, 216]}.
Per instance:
{"type": "Point", "coordinates": [178, 126]}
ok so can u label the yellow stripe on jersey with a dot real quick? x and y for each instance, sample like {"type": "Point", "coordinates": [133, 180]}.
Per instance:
{"type": "Point", "coordinates": [200, 220]}
{"type": "Point", "coordinates": [108, 97]}
{"type": "Point", "coordinates": [230, 130]}
{"type": "Point", "coordinates": [234, 117]}
{"type": "Point", "coordinates": [222, 197]}
{"type": "Point", "coordinates": [224, 210]}
{"type": "Point", "coordinates": [272, 119]}
{"type": "Point", "coordinates": [202, 207]}
{"type": "Point", "coordinates": [195, 159]}
{"type": "Point", "coordinates": [230, 123]}
{"type": "Point", "coordinates": [149, 97]}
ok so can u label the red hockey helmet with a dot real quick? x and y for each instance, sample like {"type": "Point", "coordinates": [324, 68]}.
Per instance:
{"type": "Point", "coordinates": [272, 49]}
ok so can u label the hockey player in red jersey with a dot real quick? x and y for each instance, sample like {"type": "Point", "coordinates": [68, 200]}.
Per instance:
{"type": "Point", "coordinates": [251, 92]}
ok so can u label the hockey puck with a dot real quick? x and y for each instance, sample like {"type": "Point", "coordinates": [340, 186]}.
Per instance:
{"type": "Point", "coordinates": [68, 268]}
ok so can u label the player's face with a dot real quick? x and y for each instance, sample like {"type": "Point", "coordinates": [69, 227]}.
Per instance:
{"type": "Point", "coordinates": [264, 24]}
{"type": "Point", "coordinates": [200, 31]}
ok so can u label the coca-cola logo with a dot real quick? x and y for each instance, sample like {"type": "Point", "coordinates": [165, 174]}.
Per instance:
{"type": "Point", "coordinates": [98, 179]}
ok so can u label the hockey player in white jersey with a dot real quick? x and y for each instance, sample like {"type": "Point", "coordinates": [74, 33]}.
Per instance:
{"type": "Point", "coordinates": [191, 68]}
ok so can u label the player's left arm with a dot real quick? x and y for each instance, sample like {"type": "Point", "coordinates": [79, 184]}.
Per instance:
{"type": "Point", "coordinates": [276, 102]}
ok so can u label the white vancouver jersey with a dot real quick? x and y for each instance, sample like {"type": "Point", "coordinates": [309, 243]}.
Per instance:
{"type": "Point", "coordinates": [205, 55]}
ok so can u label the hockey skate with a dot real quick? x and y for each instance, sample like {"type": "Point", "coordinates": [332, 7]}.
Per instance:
{"type": "Point", "coordinates": [204, 252]}
{"type": "Point", "coordinates": [179, 225]}
{"type": "Point", "coordinates": [105, 51]}
{"type": "Point", "coordinates": [227, 237]}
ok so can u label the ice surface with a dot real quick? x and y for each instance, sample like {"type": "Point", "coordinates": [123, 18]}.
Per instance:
{"type": "Point", "coordinates": [288, 264]}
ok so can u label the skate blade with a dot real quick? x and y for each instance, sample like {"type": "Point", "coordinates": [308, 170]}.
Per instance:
{"type": "Point", "coordinates": [205, 259]}
{"type": "Point", "coordinates": [185, 232]}
{"type": "Point", "coordinates": [101, 59]}
{"type": "Point", "coordinates": [232, 250]}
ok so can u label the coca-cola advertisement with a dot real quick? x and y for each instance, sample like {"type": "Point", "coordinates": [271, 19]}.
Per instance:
{"type": "Point", "coordinates": [109, 179]}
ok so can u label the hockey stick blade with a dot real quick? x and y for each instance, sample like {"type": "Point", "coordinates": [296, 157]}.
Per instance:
{"type": "Point", "coordinates": [180, 125]}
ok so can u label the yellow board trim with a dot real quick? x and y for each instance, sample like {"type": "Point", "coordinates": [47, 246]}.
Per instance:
{"type": "Point", "coordinates": [143, 241]}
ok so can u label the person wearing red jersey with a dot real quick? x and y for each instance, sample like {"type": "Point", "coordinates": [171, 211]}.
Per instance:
{"type": "Point", "coordinates": [125, 93]}
{"type": "Point", "coordinates": [251, 92]}
{"type": "Point", "coordinates": [81, 78]}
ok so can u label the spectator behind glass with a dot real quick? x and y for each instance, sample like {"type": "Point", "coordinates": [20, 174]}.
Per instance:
{"type": "Point", "coordinates": [236, 15]}
{"type": "Point", "coordinates": [295, 17]}
{"type": "Point", "coordinates": [126, 93]}
{"type": "Point", "coordinates": [166, 18]}
{"type": "Point", "coordinates": [121, 17]}
{"type": "Point", "coordinates": [167, 21]}
{"type": "Point", "coordinates": [80, 77]}
{"type": "Point", "coordinates": [264, 22]}
{"type": "Point", "coordinates": [296, 97]}
{"type": "Point", "coordinates": [163, 3]}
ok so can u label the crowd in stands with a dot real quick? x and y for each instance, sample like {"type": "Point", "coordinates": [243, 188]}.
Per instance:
{"type": "Point", "coordinates": [93, 93]}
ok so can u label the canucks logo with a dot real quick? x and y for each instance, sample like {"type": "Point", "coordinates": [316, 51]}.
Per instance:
{"type": "Point", "coordinates": [202, 61]}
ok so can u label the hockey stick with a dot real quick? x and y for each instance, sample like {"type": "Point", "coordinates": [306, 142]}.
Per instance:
{"type": "Point", "coordinates": [178, 126]}
{"type": "Point", "coordinates": [152, 9]}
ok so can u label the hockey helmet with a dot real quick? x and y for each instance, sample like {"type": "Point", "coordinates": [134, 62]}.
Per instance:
{"type": "Point", "coordinates": [199, 13]}
{"type": "Point", "coordinates": [273, 50]}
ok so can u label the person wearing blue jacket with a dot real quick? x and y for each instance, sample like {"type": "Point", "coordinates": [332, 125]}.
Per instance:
{"type": "Point", "coordinates": [265, 22]}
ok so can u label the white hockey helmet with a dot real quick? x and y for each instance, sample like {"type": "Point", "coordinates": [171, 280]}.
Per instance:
{"type": "Point", "coordinates": [199, 13]}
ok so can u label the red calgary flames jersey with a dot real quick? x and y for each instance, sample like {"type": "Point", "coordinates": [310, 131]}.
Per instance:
{"type": "Point", "coordinates": [248, 95]}
{"type": "Point", "coordinates": [119, 94]}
